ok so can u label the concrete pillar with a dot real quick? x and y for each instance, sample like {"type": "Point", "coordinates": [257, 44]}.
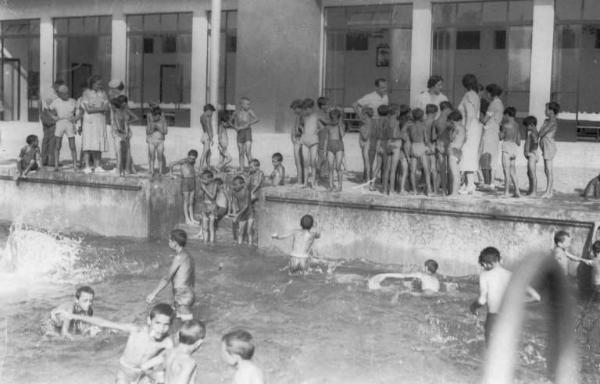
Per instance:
{"type": "Point", "coordinates": [215, 50]}
{"type": "Point", "coordinates": [199, 65]}
{"type": "Point", "coordinates": [46, 54]}
{"type": "Point", "coordinates": [542, 38]}
{"type": "Point", "coordinates": [118, 68]}
{"type": "Point", "coordinates": [420, 62]}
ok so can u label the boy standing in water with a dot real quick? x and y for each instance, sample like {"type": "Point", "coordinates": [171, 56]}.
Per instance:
{"type": "Point", "coordinates": [241, 209]}
{"type": "Point", "coordinates": [493, 281]}
{"type": "Point", "coordinates": [59, 325]}
{"type": "Point", "coordinates": [144, 345]}
{"type": "Point", "coordinates": [509, 134]}
{"type": "Point", "coordinates": [242, 120]}
{"type": "Point", "coordinates": [560, 252]}
{"type": "Point", "coordinates": [188, 184]}
{"type": "Point", "coordinates": [237, 350]}
{"type": "Point", "coordinates": [302, 243]}
{"type": "Point", "coordinates": [29, 157]}
{"type": "Point", "coordinates": [180, 366]}
{"type": "Point", "coordinates": [207, 135]}
{"type": "Point", "coordinates": [278, 175]}
{"type": "Point", "coordinates": [181, 275]}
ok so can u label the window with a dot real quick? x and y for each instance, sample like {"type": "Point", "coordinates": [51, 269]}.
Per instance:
{"type": "Point", "coordinates": [357, 41]}
{"type": "Point", "coordinates": [441, 40]}
{"type": "Point", "coordinates": [148, 45]}
{"type": "Point", "coordinates": [500, 39]}
{"type": "Point", "coordinates": [468, 39]}
{"type": "Point", "coordinates": [169, 44]}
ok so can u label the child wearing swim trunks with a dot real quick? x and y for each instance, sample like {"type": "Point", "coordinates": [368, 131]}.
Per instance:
{"type": "Point", "coordinates": [431, 111]}
{"type": "Point", "coordinates": [181, 275]}
{"type": "Point", "coordinates": [396, 147]}
{"type": "Point", "coordinates": [224, 118]}
{"type": "Point", "coordinates": [237, 350]}
{"type": "Point", "coordinates": [531, 149]}
{"type": "Point", "coordinates": [296, 135]}
{"type": "Point", "coordinates": [241, 210]}
{"type": "Point", "coordinates": [335, 148]}
{"type": "Point", "coordinates": [440, 136]}
{"type": "Point", "coordinates": [59, 325]}
{"type": "Point", "coordinates": [364, 138]}
{"type": "Point", "coordinates": [208, 196]}
{"type": "Point", "coordinates": [121, 131]}
{"type": "Point", "coordinates": [242, 121]}
{"type": "Point", "coordinates": [548, 145]}
{"type": "Point", "coordinates": [146, 344]}
{"type": "Point", "coordinates": [511, 140]}
{"type": "Point", "coordinates": [323, 114]}
{"type": "Point", "coordinates": [278, 175]}
{"type": "Point", "coordinates": [29, 158]}
{"type": "Point", "coordinates": [188, 184]}
{"type": "Point", "coordinates": [63, 110]}
{"type": "Point", "coordinates": [419, 138]}
{"type": "Point", "coordinates": [457, 136]}
{"type": "Point", "coordinates": [156, 130]}
{"type": "Point", "coordinates": [381, 137]}
{"type": "Point", "coordinates": [302, 243]}
{"type": "Point", "coordinates": [207, 135]}
{"type": "Point", "coordinates": [310, 142]}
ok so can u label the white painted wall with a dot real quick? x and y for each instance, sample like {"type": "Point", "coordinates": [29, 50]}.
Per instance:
{"type": "Point", "coordinates": [541, 57]}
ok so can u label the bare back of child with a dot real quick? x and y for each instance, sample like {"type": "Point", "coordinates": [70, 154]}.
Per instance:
{"type": "Point", "coordinates": [302, 243]}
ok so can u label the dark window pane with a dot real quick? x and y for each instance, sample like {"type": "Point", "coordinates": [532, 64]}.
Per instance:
{"type": "Point", "coordinates": [90, 25]}
{"type": "Point", "coordinates": [357, 41]}
{"type": "Point", "coordinates": [75, 25]}
{"type": "Point", "coordinates": [500, 39]}
{"type": "Point", "coordinates": [231, 42]}
{"type": "Point", "coordinates": [105, 24]}
{"type": "Point", "coordinates": [169, 44]}
{"type": "Point", "coordinates": [336, 41]}
{"type": "Point", "coordinates": [441, 40]}
{"type": "Point", "coordinates": [568, 38]}
{"type": "Point", "coordinates": [231, 19]}
{"type": "Point", "coordinates": [168, 22]}
{"type": "Point", "coordinates": [185, 22]}
{"type": "Point", "coordinates": [148, 45]}
{"type": "Point", "coordinates": [597, 45]}
{"type": "Point", "coordinates": [184, 42]}
{"type": "Point", "coordinates": [34, 27]}
{"type": "Point", "coordinates": [151, 22]}
{"type": "Point", "coordinates": [467, 39]}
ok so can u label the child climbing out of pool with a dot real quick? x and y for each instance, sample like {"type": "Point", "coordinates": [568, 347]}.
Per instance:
{"type": "Point", "coordinates": [145, 344]}
{"type": "Point", "coordinates": [29, 158]}
{"type": "Point", "coordinates": [302, 244]}
{"type": "Point", "coordinates": [242, 120]}
{"type": "Point", "coordinates": [531, 149]}
{"type": "Point", "coordinates": [237, 350]}
{"type": "Point", "coordinates": [493, 281]}
{"type": "Point", "coordinates": [207, 135]}
{"type": "Point", "coordinates": [278, 175]}
{"type": "Point", "coordinates": [188, 184]}
{"type": "Point", "coordinates": [224, 124]}
{"type": "Point", "coordinates": [511, 140]}
{"type": "Point", "coordinates": [241, 210]}
{"type": "Point", "coordinates": [181, 275]}
{"type": "Point", "coordinates": [57, 324]}
{"type": "Point", "coordinates": [428, 279]}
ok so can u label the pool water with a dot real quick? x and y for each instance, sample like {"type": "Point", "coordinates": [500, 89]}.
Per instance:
{"type": "Point", "coordinates": [320, 328]}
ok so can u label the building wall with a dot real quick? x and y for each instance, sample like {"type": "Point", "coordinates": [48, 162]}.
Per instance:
{"type": "Point", "coordinates": [278, 56]}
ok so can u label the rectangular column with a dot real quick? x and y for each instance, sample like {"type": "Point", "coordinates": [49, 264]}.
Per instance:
{"type": "Point", "coordinates": [118, 68]}
{"type": "Point", "coordinates": [199, 65]}
{"type": "Point", "coordinates": [542, 39]}
{"type": "Point", "coordinates": [215, 50]}
{"type": "Point", "coordinates": [420, 62]}
{"type": "Point", "coordinates": [46, 53]}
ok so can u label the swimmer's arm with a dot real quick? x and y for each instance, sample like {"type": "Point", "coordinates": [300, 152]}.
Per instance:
{"type": "Point", "coordinates": [165, 280]}
{"type": "Point", "coordinates": [483, 292]}
{"type": "Point", "coordinates": [281, 237]}
{"type": "Point", "coordinates": [103, 323]}
{"type": "Point", "coordinates": [153, 362]}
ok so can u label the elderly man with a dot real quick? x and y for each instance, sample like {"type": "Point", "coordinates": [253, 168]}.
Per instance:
{"type": "Point", "coordinates": [373, 99]}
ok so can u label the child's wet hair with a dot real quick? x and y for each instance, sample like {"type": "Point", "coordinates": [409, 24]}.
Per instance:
{"type": "Point", "coordinates": [277, 156]}
{"type": "Point", "coordinates": [493, 90]}
{"type": "Point", "coordinates": [383, 110]}
{"type": "Point", "coordinates": [179, 236]}
{"type": "Point", "coordinates": [403, 111]}
{"type": "Point", "coordinates": [417, 114]}
{"type": "Point", "coordinates": [209, 107]}
{"type": "Point", "coordinates": [322, 101]}
{"type": "Point", "coordinates": [191, 331]}
{"type": "Point", "coordinates": [207, 173]}
{"type": "Point", "coordinates": [560, 236]}
{"type": "Point", "coordinates": [162, 309]}
{"type": "Point", "coordinates": [455, 116]}
{"type": "Point", "coordinates": [335, 114]}
{"type": "Point", "coordinates": [488, 256]}
{"type": "Point", "coordinates": [246, 98]}
{"type": "Point", "coordinates": [445, 105]}
{"type": "Point", "coordinates": [596, 247]}
{"type": "Point", "coordinates": [155, 111]}
{"type": "Point", "coordinates": [31, 138]}
{"type": "Point", "coordinates": [239, 342]}
{"type": "Point", "coordinates": [239, 179]}
{"type": "Point", "coordinates": [367, 111]}
{"type": "Point", "coordinates": [296, 104]}
{"type": "Point", "coordinates": [510, 111]}
{"type": "Point", "coordinates": [306, 222]}
{"type": "Point", "coordinates": [193, 152]}
{"type": "Point", "coordinates": [255, 162]}
{"type": "Point", "coordinates": [218, 181]}
{"type": "Point", "coordinates": [530, 120]}
{"type": "Point", "coordinates": [431, 109]}
{"type": "Point", "coordinates": [308, 103]}
{"type": "Point", "coordinates": [86, 289]}
{"type": "Point", "coordinates": [431, 265]}
{"type": "Point", "coordinates": [554, 107]}
{"type": "Point", "coordinates": [224, 115]}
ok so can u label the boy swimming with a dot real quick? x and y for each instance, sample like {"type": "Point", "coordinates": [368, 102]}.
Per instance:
{"type": "Point", "coordinates": [302, 243]}
{"type": "Point", "coordinates": [237, 350]}
{"type": "Point", "coordinates": [59, 325]}
{"type": "Point", "coordinates": [429, 282]}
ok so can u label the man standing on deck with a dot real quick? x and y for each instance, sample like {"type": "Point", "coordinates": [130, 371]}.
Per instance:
{"type": "Point", "coordinates": [48, 123]}
{"type": "Point", "coordinates": [373, 99]}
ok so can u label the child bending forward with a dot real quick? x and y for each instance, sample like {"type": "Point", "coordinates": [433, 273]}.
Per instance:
{"type": "Point", "coordinates": [303, 240]}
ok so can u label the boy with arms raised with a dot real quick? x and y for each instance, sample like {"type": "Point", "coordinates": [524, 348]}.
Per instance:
{"type": "Point", "coordinates": [237, 350]}
{"type": "Point", "coordinates": [302, 243]}
{"type": "Point", "coordinates": [144, 345]}
{"type": "Point", "coordinates": [181, 275]}
{"type": "Point", "coordinates": [188, 184]}
{"type": "Point", "coordinates": [493, 281]}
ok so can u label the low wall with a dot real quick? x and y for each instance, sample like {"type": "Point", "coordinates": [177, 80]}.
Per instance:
{"type": "Point", "coordinates": [99, 204]}
{"type": "Point", "coordinates": [412, 229]}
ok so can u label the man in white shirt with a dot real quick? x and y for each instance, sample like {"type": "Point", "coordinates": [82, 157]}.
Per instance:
{"type": "Point", "coordinates": [373, 99]}
{"type": "Point", "coordinates": [433, 94]}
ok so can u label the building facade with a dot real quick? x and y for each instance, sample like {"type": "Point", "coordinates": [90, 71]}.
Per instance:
{"type": "Point", "coordinates": [274, 51]}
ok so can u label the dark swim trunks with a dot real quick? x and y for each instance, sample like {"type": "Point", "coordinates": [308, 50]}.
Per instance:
{"type": "Point", "coordinates": [188, 184]}
{"type": "Point", "coordinates": [244, 135]}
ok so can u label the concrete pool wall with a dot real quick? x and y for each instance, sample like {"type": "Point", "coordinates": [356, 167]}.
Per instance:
{"type": "Point", "coordinates": [409, 230]}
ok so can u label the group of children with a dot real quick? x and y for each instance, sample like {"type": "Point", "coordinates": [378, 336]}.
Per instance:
{"type": "Point", "coordinates": [152, 354]}
{"type": "Point", "coordinates": [400, 141]}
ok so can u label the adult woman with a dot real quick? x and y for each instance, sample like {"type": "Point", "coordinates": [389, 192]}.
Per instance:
{"type": "Point", "coordinates": [469, 109]}
{"type": "Point", "coordinates": [93, 136]}
{"type": "Point", "coordinates": [490, 142]}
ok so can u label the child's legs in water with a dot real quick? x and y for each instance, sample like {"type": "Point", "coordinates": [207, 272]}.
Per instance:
{"type": "Point", "coordinates": [393, 160]}
{"type": "Point", "coordinates": [513, 175]}
{"type": "Point", "coordinates": [339, 159]}
{"type": "Point", "coordinates": [151, 157]}
{"type": "Point", "coordinates": [366, 165]}
{"type": "Point", "coordinates": [442, 168]}
{"type": "Point", "coordinates": [250, 231]}
{"type": "Point", "coordinates": [424, 160]}
{"type": "Point", "coordinates": [211, 227]}
{"type": "Point", "coordinates": [191, 207]}
{"type": "Point", "coordinates": [506, 169]}
{"type": "Point", "coordinates": [298, 264]}
{"type": "Point", "coordinates": [331, 161]}
{"type": "Point", "coordinates": [159, 155]}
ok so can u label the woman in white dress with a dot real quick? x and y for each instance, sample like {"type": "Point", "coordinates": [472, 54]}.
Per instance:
{"type": "Point", "coordinates": [93, 136]}
{"type": "Point", "coordinates": [490, 142]}
{"type": "Point", "coordinates": [469, 108]}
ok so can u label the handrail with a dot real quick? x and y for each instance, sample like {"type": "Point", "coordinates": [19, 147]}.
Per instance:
{"type": "Point", "coordinates": [436, 211]}
{"type": "Point", "coordinates": [119, 187]}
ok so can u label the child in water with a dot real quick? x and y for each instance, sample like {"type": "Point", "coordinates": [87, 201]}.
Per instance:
{"type": "Point", "coordinates": [278, 175]}
{"type": "Point", "coordinates": [302, 243]}
{"type": "Point", "coordinates": [428, 279]}
{"type": "Point", "coordinates": [237, 350]}
{"type": "Point", "coordinates": [59, 325]}
{"type": "Point", "coordinates": [180, 366]}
